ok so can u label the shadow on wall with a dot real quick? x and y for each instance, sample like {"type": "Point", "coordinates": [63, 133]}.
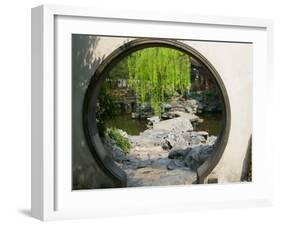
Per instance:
{"type": "Point", "coordinates": [84, 61]}
{"type": "Point", "coordinates": [85, 171]}
{"type": "Point", "coordinates": [247, 163]}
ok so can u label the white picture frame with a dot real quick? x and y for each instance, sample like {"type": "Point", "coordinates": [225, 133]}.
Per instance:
{"type": "Point", "coordinates": [52, 198]}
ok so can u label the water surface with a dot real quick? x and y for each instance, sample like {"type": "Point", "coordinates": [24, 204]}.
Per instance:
{"type": "Point", "coordinates": [212, 123]}
{"type": "Point", "coordinates": [125, 122]}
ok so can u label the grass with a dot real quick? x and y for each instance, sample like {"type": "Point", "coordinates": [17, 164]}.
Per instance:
{"type": "Point", "coordinates": [120, 140]}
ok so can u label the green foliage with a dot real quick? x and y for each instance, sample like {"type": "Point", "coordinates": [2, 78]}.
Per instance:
{"type": "Point", "coordinates": [106, 109]}
{"type": "Point", "coordinates": [156, 73]}
{"type": "Point", "coordinates": [120, 70]}
{"type": "Point", "coordinates": [120, 140]}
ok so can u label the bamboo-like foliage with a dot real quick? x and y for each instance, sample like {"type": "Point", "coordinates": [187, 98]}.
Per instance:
{"type": "Point", "coordinates": [157, 73]}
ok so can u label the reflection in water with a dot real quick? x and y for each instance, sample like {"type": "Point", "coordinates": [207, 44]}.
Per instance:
{"type": "Point", "coordinates": [125, 122]}
{"type": "Point", "coordinates": [212, 123]}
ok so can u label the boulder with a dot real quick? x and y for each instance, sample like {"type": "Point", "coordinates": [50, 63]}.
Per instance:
{"type": "Point", "coordinates": [195, 140]}
{"type": "Point", "coordinates": [179, 152]}
{"type": "Point", "coordinates": [192, 103]}
{"type": "Point", "coordinates": [175, 164]}
{"type": "Point", "coordinates": [185, 139]}
{"type": "Point", "coordinates": [189, 116]}
{"type": "Point", "coordinates": [168, 115]}
{"type": "Point", "coordinates": [211, 140]}
{"type": "Point", "coordinates": [143, 164]}
{"type": "Point", "coordinates": [177, 124]}
{"type": "Point", "coordinates": [160, 162]}
{"type": "Point", "coordinates": [153, 120]}
{"type": "Point", "coordinates": [197, 156]}
{"type": "Point", "coordinates": [204, 134]}
{"type": "Point", "coordinates": [191, 106]}
{"type": "Point", "coordinates": [171, 139]}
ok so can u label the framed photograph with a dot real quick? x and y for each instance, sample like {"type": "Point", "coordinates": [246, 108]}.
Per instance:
{"type": "Point", "coordinates": [136, 113]}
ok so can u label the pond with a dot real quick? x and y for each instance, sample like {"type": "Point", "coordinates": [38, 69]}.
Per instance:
{"type": "Point", "coordinates": [212, 123]}
{"type": "Point", "coordinates": [125, 122]}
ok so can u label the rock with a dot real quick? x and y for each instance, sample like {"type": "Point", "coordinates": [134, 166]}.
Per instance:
{"type": "Point", "coordinates": [200, 107]}
{"type": "Point", "coordinates": [167, 106]}
{"type": "Point", "coordinates": [145, 140]}
{"type": "Point", "coordinates": [160, 176]}
{"type": "Point", "coordinates": [195, 140]}
{"type": "Point", "coordinates": [153, 120]}
{"type": "Point", "coordinates": [191, 162]}
{"type": "Point", "coordinates": [197, 156]}
{"type": "Point", "coordinates": [177, 124]}
{"type": "Point", "coordinates": [175, 164]}
{"type": "Point", "coordinates": [189, 109]}
{"type": "Point", "coordinates": [189, 116]}
{"type": "Point", "coordinates": [211, 140]}
{"type": "Point", "coordinates": [149, 137]}
{"type": "Point", "coordinates": [193, 102]}
{"type": "Point", "coordinates": [165, 115]}
{"type": "Point", "coordinates": [143, 164]}
{"type": "Point", "coordinates": [168, 115]}
{"type": "Point", "coordinates": [176, 139]}
{"type": "Point", "coordinates": [170, 151]}
{"type": "Point", "coordinates": [117, 154]}
{"type": "Point", "coordinates": [171, 140]}
{"type": "Point", "coordinates": [190, 106]}
{"type": "Point", "coordinates": [183, 139]}
{"type": "Point", "coordinates": [179, 152]}
{"type": "Point", "coordinates": [204, 134]}
{"type": "Point", "coordinates": [165, 145]}
{"type": "Point", "coordinates": [160, 162]}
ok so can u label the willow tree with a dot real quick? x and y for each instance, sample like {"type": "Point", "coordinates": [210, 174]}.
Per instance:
{"type": "Point", "coordinates": [157, 73]}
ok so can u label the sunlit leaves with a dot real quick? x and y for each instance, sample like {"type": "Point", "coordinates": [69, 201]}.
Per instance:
{"type": "Point", "coordinates": [157, 73]}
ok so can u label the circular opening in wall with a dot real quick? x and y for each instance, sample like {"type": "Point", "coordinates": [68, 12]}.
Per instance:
{"type": "Point", "coordinates": [156, 112]}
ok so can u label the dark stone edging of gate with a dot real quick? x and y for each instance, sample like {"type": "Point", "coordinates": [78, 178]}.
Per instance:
{"type": "Point", "coordinates": [105, 162]}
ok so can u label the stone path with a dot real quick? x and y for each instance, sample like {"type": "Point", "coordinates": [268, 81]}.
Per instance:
{"type": "Point", "coordinates": [168, 153]}
{"type": "Point", "coordinates": [148, 166]}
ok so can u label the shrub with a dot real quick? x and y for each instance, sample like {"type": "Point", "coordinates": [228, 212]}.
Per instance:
{"type": "Point", "coordinates": [120, 140]}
